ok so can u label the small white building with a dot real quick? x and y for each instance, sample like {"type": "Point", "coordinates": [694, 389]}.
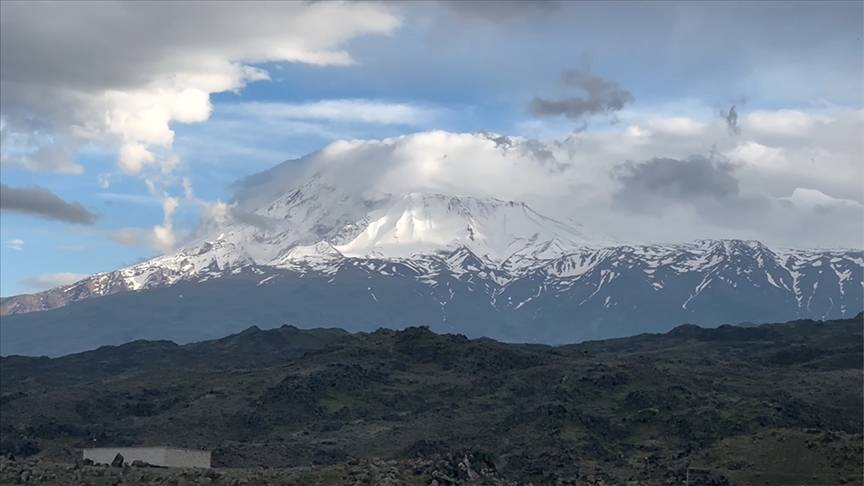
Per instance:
{"type": "Point", "coordinates": [156, 456]}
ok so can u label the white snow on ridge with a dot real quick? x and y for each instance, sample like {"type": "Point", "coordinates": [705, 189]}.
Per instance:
{"type": "Point", "coordinates": [420, 223]}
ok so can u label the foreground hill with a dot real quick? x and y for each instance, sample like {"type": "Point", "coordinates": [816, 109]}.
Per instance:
{"type": "Point", "coordinates": [769, 404]}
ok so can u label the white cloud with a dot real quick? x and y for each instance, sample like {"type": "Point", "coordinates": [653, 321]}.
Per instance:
{"type": "Point", "coordinates": [163, 234]}
{"type": "Point", "coordinates": [758, 154]}
{"type": "Point", "coordinates": [825, 154]}
{"type": "Point", "coordinates": [635, 131]}
{"type": "Point", "coordinates": [156, 65]}
{"type": "Point", "coordinates": [641, 129]}
{"type": "Point", "coordinates": [676, 125]}
{"type": "Point", "coordinates": [133, 157]}
{"type": "Point", "coordinates": [782, 122]}
{"type": "Point", "coordinates": [814, 199]}
{"type": "Point", "coordinates": [573, 177]}
{"type": "Point", "coordinates": [16, 244]}
{"type": "Point", "coordinates": [438, 161]}
{"type": "Point", "coordinates": [51, 280]}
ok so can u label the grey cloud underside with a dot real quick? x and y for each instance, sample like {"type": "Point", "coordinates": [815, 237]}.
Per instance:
{"type": "Point", "coordinates": [69, 72]}
{"type": "Point", "coordinates": [534, 149]}
{"type": "Point", "coordinates": [601, 97]}
{"type": "Point", "coordinates": [41, 202]}
{"type": "Point", "coordinates": [704, 195]}
{"type": "Point", "coordinates": [675, 180]}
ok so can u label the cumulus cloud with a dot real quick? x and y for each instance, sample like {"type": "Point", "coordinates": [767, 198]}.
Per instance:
{"type": "Point", "coordinates": [676, 126]}
{"type": "Point", "coordinates": [163, 234]}
{"type": "Point", "coordinates": [815, 200]}
{"type": "Point", "coordinates": [698, 196]}
{"type": "Point", "coordinates": [755, 153]}
{"type": "Point", "coordinates": [41, 202]}
{"type": "Point", "coordinates": [791, 123]}
{"type": "Point", "coordinates": [133, 157]}
{"type": "Point", "coordinates": [437, 161]}
{"type": "Point", "coordinates": [733, 187]}
{"type": "Point", "coordinates": [140, 82]}
{"type": "Point", "coordinates": [16, 244]}
{"type": "Point", "coordinates": [601, 97]}
{"type": "Point", "coordinates": [824, 154]}
{"type": "Point", "coordinates": [51, 280]}
{"type": "Point", "coordinates": [157, 65]}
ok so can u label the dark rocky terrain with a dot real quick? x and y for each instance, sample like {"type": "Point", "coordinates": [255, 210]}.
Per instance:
{"type": "Point", "coordinates": [770, 404]}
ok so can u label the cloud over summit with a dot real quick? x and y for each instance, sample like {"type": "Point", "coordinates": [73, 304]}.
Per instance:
{"type": "Point", "coordinates": [689, 190]}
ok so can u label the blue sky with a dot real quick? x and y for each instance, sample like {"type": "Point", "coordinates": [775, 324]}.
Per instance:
{"type": "Point", "coordinates": [435, 66]}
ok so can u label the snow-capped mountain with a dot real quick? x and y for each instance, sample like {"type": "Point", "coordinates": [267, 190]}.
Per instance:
{"type": "Point", "coordinates": [320, 255]}
{"type": "Point", "coordinates": [317, 224]}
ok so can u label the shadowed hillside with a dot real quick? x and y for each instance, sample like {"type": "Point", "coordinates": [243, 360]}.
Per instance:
{"type": "Point", "coordinates": [769, 404]}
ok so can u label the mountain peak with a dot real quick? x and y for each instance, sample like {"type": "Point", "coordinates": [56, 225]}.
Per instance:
{"type": "Point", "coordinates": [418, 223]}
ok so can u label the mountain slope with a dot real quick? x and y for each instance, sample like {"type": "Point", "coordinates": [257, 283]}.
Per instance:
{"type": "Point", "coordinates": [428, 223]}
{"type": "Point", "coordinates": [316, 224]}
{"type": "Point", "coordinates": [328, 253]}
{"type": "Point", "coordinates": [592, 294]}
